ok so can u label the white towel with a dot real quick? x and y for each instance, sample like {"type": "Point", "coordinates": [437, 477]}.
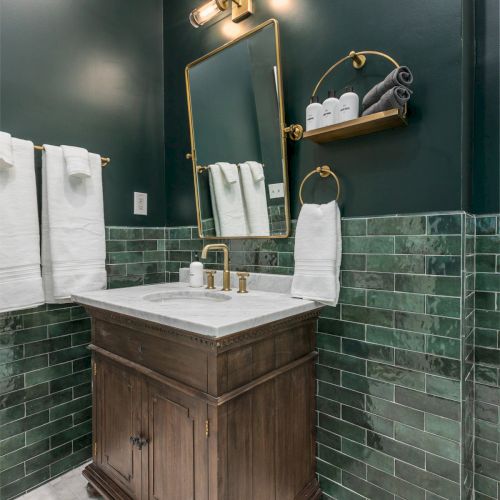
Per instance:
{"type": "Point", "coordinates": [77, 161]}
{"type": "Point", "coordinates": [254, 197]}
{"type": "Point", "coordinates": [6, 156]}
{"type": "Point", "coordinates": [215, 210]}
{"type": "Point", "coordinates": [228, 200]}
{"type": "Point", "coordinates": [73, 237]}
{"type": "Point", "coordinates": [318, 253]}
{"type": "Point", "coordinates": [20, 278]}
{"type": "Point", "coordinates": [229, 172]}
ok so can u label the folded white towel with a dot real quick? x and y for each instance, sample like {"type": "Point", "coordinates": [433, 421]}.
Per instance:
{"type": "Point", "coordinates": [77, 161]}
{"type": "Point", "coordinates": [6, 156]}
{"type": "Point", "coordinates": [73, 237]}
{"type": "Point", "coordinates": [228, 201]}
{"type": "Point", "coordinates": [318, 253]}
{"type": "Point", "coordinates": [229, 172]}
{"type": "Point", "coordinates": [20, 278]}
{"type": "Point", "coordinates": [254, 197]}
{"type": "Point", "coordinates": [257, 170]}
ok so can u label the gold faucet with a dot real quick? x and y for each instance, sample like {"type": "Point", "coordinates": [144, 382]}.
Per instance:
{"type": "Point", "coordinates": [226, 276]}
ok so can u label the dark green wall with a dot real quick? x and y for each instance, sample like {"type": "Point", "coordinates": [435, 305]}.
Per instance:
{"type": "Point", "coordinates": [486, 171]}
{"type": "Point", "coordinates": [421, 168]}
{"type": "Point", "coordinates": [90, 73]}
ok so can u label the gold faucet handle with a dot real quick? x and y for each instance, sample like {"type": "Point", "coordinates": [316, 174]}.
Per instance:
{"type": "Point", "coordinates": [243, 282]}
{"type": "Point", "coordinates": [210, 279]}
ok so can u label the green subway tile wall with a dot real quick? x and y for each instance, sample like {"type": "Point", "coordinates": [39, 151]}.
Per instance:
{"type": "Point", "coordinates": [394, 394]}
{"type": "Point", "coordinates": [487, 357]}
{"type": "Point", "coordinates": [395, 372]}
{"type": "Point", "coordinates": [45, 389]}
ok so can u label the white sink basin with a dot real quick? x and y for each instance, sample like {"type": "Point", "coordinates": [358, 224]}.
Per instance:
{"type": "Point", "coordinates": [181, 296]}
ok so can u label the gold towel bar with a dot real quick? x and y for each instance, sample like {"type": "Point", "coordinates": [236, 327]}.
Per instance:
{"type": "Point", "coordinates": [105, 161]}
{"type": "Point", "coordinates": [200, 168]}
{"type": "Point", "coordinates": [324, 171]}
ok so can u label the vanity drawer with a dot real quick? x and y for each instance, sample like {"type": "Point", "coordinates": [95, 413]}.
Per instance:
{"type": "Point", "coordinates": [175, 360]}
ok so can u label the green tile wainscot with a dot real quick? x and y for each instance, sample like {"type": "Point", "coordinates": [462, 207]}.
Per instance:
{"type": "Point", "coordinates": [420, 297]}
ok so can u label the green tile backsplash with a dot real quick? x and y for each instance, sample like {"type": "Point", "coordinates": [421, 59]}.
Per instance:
{"type": "Point", "coordinates": [395, 371]}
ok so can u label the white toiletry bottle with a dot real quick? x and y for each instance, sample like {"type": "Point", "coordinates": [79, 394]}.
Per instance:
{"type": "Point", "coordinates": [331, 109]}
{"type": "Point", "coordinates": [196, 273]}
{"type": "Point", "coordinates": [349, 105]}
{"type": "Point", "coordinates": [313, 113]}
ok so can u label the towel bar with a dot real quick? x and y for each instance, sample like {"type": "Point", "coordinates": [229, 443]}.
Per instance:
{"type": "Point", "coordinates": [105, 161]}
{"type": "Point", "coordinates": [324, 171]}
{"type": "Point", "coordinates": [200, 168]}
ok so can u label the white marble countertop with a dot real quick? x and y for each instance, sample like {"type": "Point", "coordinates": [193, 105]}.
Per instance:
{"type": "Point", "coordinates": [206, 317]}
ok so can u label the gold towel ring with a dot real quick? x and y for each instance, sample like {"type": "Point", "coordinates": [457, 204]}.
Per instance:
{"type": "Point", "coordinates": [324, 171]}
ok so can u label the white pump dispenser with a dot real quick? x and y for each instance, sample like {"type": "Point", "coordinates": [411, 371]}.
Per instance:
{"type": "Point", "coordinates": [331, 109]}
{"type": "Point", "coordinates": [313, 114]}
{"type": "Point", "coordinates": [349, 105]}
{"type": "Point", "coordinates": [196, 273]}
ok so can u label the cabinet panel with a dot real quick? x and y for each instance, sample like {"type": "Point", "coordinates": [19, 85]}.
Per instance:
{"type": "Point", "coordinates": [178, 450]}
{"type": "Point", "coordinates": [118, 400]}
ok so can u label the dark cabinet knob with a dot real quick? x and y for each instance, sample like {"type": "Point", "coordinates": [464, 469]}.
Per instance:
{"type": "Point", "coordinates": [142, 442]}
{"type": "Point", "coordinates": [138, 441]}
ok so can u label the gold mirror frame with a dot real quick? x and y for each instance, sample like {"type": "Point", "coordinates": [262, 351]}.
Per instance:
{"type": "Point", "coordinates": [285, 132]}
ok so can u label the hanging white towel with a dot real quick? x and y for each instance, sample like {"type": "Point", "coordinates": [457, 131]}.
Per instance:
{"type": "Point", "coordinates": [213, 199]}
{"type": "Point", "coordinates": [77, 161]}
{"type": "Point", "coordinates": [73, 237]}
{"type": "Point", "coordinates": [318, 254]}
{"type": "Point", "coordinates": [6, 153]}
{"type": "Point", "coordinates": [20, 278]}
{"type": "Point", "coordinates": [228, 200]}
{"type": "Point", "coordinates": [254, 197]}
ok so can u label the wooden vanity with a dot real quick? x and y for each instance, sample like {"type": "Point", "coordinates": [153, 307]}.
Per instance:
{"type": "Point", "coordinates": [181, 416]}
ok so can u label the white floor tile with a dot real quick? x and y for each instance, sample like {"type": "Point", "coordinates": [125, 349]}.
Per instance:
{"type": "Point", "coordinates": [69, 486]}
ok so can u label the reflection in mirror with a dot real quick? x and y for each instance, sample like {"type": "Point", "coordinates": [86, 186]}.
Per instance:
{"type": "Point", "coordinates": [236, 117]}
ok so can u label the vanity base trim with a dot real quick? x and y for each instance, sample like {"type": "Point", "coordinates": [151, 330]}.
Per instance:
{"type": "Point", "coordinates": [103, 484]}
{"type": "Point", "coordinates": [311, 492]}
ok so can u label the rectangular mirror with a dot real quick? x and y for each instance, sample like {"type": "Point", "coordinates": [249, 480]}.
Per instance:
{"type": "Point", "coordinates": [238, 147]}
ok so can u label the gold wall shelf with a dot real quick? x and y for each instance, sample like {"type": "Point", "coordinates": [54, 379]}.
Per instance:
{"type": "Point", "coordinates": [364, 125]}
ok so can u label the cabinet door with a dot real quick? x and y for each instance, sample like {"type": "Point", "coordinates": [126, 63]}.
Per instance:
{"type": "Point", "coordinates": [178, 450]}
{"type": "Point", "coordinates": [118, 405]}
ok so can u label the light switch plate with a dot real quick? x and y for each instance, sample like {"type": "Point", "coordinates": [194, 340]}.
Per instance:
{"type": "Point", "coordinates": [276, 190]}
{"type": "Point", "coordinates": [140, 204]}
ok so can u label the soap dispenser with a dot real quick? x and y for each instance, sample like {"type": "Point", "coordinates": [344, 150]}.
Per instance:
{"type": "Point", "coordinates": [196, 273]}
{"type": "Point", "coordinates": [331, 108]}
{"type": "Point", "coordinates": [313, 113]}
{"type": "Point", "coordinates": [349, 105]}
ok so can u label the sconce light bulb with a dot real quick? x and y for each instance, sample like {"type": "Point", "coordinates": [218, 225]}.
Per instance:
{"type": "Point", "coordinates": [206, 12]}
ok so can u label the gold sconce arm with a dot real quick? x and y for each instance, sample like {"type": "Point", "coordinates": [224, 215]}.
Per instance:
{"type": "Point", "coordinates": [294, 132]}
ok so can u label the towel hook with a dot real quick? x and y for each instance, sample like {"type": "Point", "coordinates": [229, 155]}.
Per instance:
{"type": "Point", "coordinates": [324, 171]}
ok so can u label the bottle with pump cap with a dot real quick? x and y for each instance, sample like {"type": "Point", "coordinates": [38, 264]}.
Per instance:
{"type": "Point", "coordinates": [313, 113]}
{"type": "Point", "coordinates": [331, 109]}
{"type": "Point", "coordinates": [196, 273]}
{"type": "Point", "coordinates": [349, 105]}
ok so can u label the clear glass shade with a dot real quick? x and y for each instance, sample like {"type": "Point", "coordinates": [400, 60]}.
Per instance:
{"type": "Point", "coordinates": [205, 13]}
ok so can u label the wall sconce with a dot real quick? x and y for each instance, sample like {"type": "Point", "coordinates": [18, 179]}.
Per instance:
{"type": "Point", "coordinates": [240, 10]}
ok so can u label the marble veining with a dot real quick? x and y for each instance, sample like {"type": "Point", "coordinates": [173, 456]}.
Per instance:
{"type": "Point", "coordinates": [211, 318]}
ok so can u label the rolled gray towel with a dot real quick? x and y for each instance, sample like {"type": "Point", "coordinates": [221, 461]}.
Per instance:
{"type": "Point", "coordinates": [398, 76]}
{"type": "Point", "coordinates": [396, 97]}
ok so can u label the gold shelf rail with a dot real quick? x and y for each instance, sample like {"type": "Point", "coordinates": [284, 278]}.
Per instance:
{"type": "Point", "coordinates": [358, 59]}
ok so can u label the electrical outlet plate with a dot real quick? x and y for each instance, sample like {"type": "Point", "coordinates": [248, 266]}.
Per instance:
{"type": "Point", "coordinates": [140, 204]}
{"type": "Point", "coordinates": [276, 190]}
